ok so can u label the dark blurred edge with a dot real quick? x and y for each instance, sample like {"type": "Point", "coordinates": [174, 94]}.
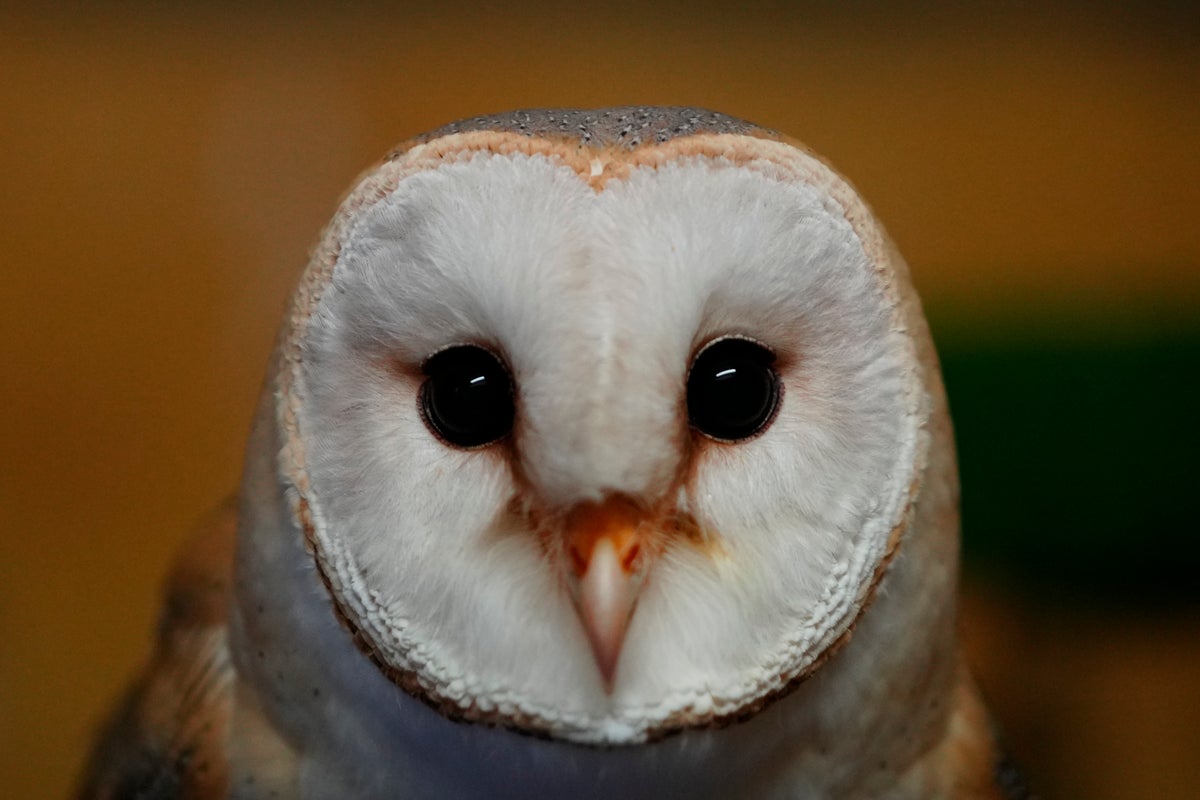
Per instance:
{"type": "Point", "coordinates": [1078, 442]}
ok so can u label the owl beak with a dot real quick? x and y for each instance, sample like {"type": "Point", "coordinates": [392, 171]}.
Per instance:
{"type": "Point", "coordinates": [605, 574]}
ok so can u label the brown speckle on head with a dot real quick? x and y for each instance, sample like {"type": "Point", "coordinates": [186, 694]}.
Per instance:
{"type": "Point", "coordinates": [599, 144]}
{"type": "Point", "coordinates": [626, 127]}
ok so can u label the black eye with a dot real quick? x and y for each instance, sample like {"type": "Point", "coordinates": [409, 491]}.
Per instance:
{"type": "Point", "coordinates": [467, 398]}
{"type": "Point", "coordinates": [732, 389]}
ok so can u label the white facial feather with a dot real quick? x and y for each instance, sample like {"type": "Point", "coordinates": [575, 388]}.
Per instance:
{"type": "Point", "coordinates": [598, 300]}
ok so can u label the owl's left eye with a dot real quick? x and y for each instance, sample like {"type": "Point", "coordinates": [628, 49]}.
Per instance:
{"type": "Point", "coordinates": [467, 396]}
{"type": "Point", "coordinates": [732, 389]}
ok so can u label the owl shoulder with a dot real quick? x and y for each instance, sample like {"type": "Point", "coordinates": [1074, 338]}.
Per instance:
{"type": "Point", "coordinates": [166, 738]}
{"type": "Point", "coordinates": [972, 751]}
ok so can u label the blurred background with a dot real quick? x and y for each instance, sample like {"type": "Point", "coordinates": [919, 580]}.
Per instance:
{"type": "Point", "coordinates": [164, 168]}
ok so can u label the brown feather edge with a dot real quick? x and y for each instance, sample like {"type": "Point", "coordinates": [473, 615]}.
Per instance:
{"type": "Point", "coordinates": [166, 737]}
{"type": "Point", "coordinates": [745, 149]}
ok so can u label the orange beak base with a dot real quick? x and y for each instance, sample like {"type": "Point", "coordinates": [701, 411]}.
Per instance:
{"type": "Point", "coordinates": [605, 575]}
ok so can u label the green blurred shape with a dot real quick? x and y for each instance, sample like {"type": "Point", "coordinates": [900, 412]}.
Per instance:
{"type": "Point", "coordinates": [1078, 456]}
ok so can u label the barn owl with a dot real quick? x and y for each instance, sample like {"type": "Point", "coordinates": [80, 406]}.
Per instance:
{"type": "Point", "coordinates": [603, 454]}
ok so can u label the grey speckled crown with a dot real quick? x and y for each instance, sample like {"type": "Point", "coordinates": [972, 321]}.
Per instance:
{"type": "Point", "coordinates": [620, 126]}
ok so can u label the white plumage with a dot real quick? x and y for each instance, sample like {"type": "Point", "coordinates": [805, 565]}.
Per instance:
{"type": "Point", "coordinates": [522, 599]}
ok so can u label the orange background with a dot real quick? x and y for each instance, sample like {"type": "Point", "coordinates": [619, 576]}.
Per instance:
{"type": "Point", "coordinates": [164, 172]}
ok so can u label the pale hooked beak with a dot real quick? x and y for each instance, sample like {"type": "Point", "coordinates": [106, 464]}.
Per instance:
{"type": "Point", "coordinates": [605, 571]}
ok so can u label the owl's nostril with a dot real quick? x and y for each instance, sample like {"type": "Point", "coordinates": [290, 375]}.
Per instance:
{"type": "Point", "coordinates": [579, 561]}
{"type": "Point", "coordinates": [629, 556]}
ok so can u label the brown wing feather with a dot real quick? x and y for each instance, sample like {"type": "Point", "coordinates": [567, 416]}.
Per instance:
{"type": "Point", "coordinates": [166, 739]}
{"type": "Point", "coordinates": [970, 751]}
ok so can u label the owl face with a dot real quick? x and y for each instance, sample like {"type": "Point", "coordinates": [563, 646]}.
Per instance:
{"type": "Point", "coordinates": [600, 442]}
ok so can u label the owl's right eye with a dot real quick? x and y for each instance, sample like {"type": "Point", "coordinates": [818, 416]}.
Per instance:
{"type": "Point", "coordinates": [467, 396]}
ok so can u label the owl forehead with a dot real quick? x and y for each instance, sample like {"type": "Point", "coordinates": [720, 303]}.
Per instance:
{"type": "Point", "coordinates": [661, 248]}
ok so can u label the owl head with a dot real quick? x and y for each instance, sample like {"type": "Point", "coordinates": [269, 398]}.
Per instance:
{"type": "Point", "coordinates": [601, 425]}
